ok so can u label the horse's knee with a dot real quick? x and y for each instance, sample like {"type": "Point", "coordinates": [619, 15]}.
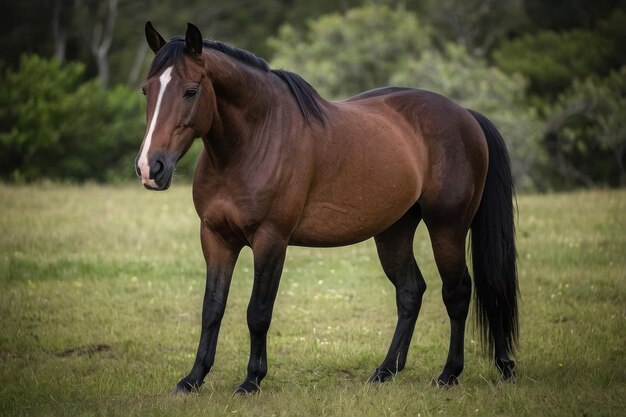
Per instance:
{"type": "Point", "coordinates": [259, 320]}
{"type": "Point", "coordinates": [409, 302]}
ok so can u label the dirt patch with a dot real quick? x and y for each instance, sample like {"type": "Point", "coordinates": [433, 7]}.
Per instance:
{"type": "Point", "coordinates": [88, 351]}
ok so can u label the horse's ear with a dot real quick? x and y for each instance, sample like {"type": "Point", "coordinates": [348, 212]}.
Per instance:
{"type": "Point", "coordinates": [155, 41]}
{"type": "Point", "coordinates": [193, 40]}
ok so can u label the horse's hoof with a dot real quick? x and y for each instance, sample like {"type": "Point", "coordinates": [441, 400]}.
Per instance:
{"type": "Point", "coordinates": [247, 388]}
{"type": "Point", "coordinates": [445, 381]}
{"type": "Point", "coordinates": [508, 375]}
{"type": "Point", "coordinates": [380, 376]}
{"type": "Point", "coordinates": [507, 369]}
{"type": "Point", "coordinates": [183, 388]}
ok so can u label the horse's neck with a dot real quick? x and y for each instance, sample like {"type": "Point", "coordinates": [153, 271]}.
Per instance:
{"type": "Point", "coordinates": [254, 115]}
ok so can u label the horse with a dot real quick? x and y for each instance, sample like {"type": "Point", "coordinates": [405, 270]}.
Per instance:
{"type": "Point", "coordinates": [282, 166]}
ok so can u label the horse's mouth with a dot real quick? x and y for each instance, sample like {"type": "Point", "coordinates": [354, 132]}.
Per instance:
{"type": "Point", "coordinates": [160, 184]}
{"type": "Point", "coordinates": [158, 188]}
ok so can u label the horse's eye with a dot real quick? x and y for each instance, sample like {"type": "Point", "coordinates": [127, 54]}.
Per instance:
{"type": "Point", "coordinates": [143, 91]}
{"type": "Point", "coordinates": [190, 93]}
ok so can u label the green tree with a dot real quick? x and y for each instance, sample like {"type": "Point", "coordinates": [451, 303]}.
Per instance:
{"type": "Point", "coordinates": [614, 30]}
{"type": "Point", "coordinates": [342, 55]}
{"type": "Point", "coordinates": [568, 14]}
{"type": "Point", "coordinates": [552, 60]}
{"type": "Point", "coordinates": [479, 25]}
{"type": "Point", "coordinates": [588, 131]}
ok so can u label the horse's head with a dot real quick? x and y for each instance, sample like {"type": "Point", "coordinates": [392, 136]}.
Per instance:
{"type": "Point", "coordinates": [179, 98]}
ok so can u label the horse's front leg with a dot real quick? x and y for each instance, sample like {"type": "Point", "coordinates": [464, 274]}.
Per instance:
{"type": "Point", "coordinates": [269, 256]}
{"type": "Point", "coordinates": [220, 261]}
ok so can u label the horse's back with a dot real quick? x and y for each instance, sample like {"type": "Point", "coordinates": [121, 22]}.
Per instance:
{"type": "Point", "coordinates": [378, 92]}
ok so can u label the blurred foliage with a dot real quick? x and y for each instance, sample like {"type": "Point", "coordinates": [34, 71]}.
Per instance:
{"type": "Point", "coordinates": [342, 55]}
{"type": "Point", "coordinates": [557, 64]}
{"type": "Point", "coordinates": [479, 25]}
{"type": "Point", "coordinates": [568, 14]}
{"type": "Point", "coordinates": [551, 60]}
{"type": "Point", "coordinates": [614, 31]}
{"type": "Point", "coordinates": [588, 119]}
{"type": "Point", "coordinates": [55, 124]}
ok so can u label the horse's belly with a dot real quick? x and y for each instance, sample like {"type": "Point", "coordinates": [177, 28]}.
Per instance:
{"type": "Point", "coordinates": [354, 215]}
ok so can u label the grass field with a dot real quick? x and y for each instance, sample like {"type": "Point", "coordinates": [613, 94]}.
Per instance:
{"type": "Point", "coordinates": [100, 297]}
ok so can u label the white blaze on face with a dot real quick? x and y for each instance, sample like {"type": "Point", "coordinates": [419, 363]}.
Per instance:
{"type": "Point", "coordinates": [144, 167]}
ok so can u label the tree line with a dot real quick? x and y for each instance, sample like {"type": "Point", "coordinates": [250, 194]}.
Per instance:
{"type": "Point", "coordinates": [550, 74]}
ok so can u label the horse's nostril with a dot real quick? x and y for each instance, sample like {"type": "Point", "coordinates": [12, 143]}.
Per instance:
{"type": "Point", "coordinates": [157, 169]}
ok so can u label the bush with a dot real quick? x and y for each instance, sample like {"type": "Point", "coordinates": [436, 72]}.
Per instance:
{"type": "Point", "coordinates": [55, 125]}
{"type": "Point", "coordinates": [552, 60]}
{"type": "Point", "coordinates": [588, 128]}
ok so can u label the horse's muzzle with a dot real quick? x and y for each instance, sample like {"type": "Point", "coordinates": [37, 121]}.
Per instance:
{"type": "Point", "coordinates": [159, 172]}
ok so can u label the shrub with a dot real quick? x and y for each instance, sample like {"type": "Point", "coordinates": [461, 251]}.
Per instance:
{"type": "Point", "coordinates": [55, 125]}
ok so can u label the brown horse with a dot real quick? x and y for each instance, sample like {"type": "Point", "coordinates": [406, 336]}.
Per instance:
{"type": "Point", "coordinates": [281, 166]}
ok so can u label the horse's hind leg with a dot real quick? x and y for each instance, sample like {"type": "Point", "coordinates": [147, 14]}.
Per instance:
{"type": "Point", "coordinates": [448, 241]}
{"type": "Point", "coordinates": [395, 250]}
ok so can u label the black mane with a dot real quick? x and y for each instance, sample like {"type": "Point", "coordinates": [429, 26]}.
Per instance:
{"type": "Point", "coordinates": [306, 96]}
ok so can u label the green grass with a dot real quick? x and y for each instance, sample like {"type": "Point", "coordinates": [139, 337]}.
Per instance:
{"type": "Point", "coordinates": [100, 297]}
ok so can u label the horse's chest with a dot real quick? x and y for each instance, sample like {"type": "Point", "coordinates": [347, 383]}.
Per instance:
{"type": "Point", "coordinates": [227, 216]}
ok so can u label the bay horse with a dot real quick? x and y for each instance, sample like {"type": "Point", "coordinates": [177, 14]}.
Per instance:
{"type": "Point", "coordinates": [282, 166]}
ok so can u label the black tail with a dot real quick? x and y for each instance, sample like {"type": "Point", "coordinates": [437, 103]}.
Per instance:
{"type": "Point", "coordinates": [493, 249]}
